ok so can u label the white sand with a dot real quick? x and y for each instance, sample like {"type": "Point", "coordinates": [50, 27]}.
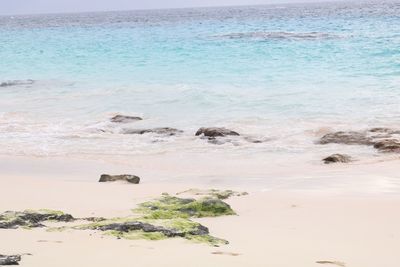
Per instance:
{"type": "Point", "coordinates": [276, 226]}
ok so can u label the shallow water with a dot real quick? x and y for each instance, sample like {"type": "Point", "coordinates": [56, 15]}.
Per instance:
{"type": "Point", "coordinates": [285, 74]}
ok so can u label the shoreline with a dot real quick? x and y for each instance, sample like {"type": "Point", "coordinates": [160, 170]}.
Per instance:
{"type": "Point", "coordinates": [378, 177]}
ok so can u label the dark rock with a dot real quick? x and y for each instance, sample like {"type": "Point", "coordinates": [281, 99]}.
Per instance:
{"type": "Point", "coordinates": [347, 138]}
{"type": "Point", "coordinates": [161, 131]}
{"type": "Point", "coordinates": [32, 219]}
{"type": "Point", "coordinates": [380, 130]}
{"type": "Point", "coordinates": [149, 228]}
{"type": "Point", "coordinates": [215, 132]}
{"type": "Point", "coordinates": [136, 226]}
{"type": "Point", "coordinates": [94, 219]}
{"type": "Point", "coordinates": [384, 130]}
{"type": "Point", "coordinates": [254, 140]}
{"type": "Point", "coordinates": [201, 230]}
{"type": "Point", "coordinates": [337, 158]}
{"type": "Point", "coordinates": [41, 217]}
{"type": "Point", "coordinates": [123, 177]}
{"type": "Point", "coordinates": [383, 139]}
{"type": "Point", "coordinates": [10, 260]}
{"type": "Point", "coordinates": [388, 145]}
{"type": "Point", "coordinates": [16, 82]}
{"type": "Point", "coordinates": [125, 119]}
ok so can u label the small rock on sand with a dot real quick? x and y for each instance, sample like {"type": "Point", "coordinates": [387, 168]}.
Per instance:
{"type": "Point", "coordinates": [10, 260]}
{"type": "Point", "coordinates": [337, 158]}
{"type": "Point", "coordinates": [337, 263]}
{"type": "Point", "coordinates": [133, 179]}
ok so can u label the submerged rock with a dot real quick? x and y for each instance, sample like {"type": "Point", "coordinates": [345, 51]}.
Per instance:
{"type": "Point", "coordinates": [31, 219]}
{"type": "Point", "coordinates": [255, 140]}
{"type": "Point", "coordinates": [337, 158]}
{"type": "Point", "coordinates": [388, 145]}
{"type": "Point", "coordinates": [280, 35]}
{"type": "Point", "coordinates": [347, 138]}
{"type": "Point", "coordinates": [161, 131]}
{"type": "Point", "coordinates": [16, 82]}
{"type": "Point", "coordinates": [123, 177]}
{"type": "Point", "coordinates": [215, 132]}
{"type": "Point", "coordinates": [10, 260]}
{"type": "Point", "coordinates": [125, 119]}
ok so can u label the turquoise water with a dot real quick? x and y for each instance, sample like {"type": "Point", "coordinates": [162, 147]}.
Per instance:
{"type": "Point", "coordinates": [274, 72]}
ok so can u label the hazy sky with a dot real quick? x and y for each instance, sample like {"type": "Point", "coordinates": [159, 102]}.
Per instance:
{"type": "Point", "coordinates": [55, 6]}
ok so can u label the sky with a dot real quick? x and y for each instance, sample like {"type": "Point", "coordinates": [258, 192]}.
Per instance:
{"type": "Point", "coordinates": [58, 6]}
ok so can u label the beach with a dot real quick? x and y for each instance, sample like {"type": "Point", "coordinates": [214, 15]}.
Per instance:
{"type": "Point", "coordinates": [277, 227]}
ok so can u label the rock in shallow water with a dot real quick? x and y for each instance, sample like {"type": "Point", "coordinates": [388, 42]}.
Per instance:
{"type": "Point", "coordinates": [215, 132]}
{"type": "Point", "coordinates": [125, 119]}
{"type": "Point", "coordinates": [161, 131]}
{"type": "Point", "coordinates": [279, 35]}
{"type": "Point", "coordinates": [383, 139]}
{"type": "Point", "coordinates": [337, 158]}
{"type": "Point", "coordinates": [133, 179]}
{"type": "Point", "coordinates": [347, 138]}
{"type": "Point", "coordinates": [16, 83]}
{"type": "Point", "coordinates": [388, 145]}
{"type": "Point", "coordinates": [383, 130]}
{"type": "Point", "coordinates": [10, 260]}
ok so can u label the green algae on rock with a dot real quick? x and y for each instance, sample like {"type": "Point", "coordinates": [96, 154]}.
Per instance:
{"type": "Point", "coordinates": [168, 207]}
{"type": "Point", "coordinates": [166, 217]}
{"type": "Point", "coordinates": [154, 229]}
{"type": "Point", "coordinates": [31, 218]}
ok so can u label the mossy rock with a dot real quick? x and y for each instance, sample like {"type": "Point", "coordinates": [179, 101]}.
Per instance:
{"type": "Point", "coordinates": [32, 218]}
{"type": "Point", "coordinates": [169, 207]}
{"type": "Point", "coordinates": [166, 217]}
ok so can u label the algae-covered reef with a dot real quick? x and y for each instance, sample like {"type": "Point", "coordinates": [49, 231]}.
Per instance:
{"type": "Point", "coordinates": [161, 218]}
{"type": "Point", "coordinates": [167, 217]}
{"type": "Point", "coordinates": [32, 218]}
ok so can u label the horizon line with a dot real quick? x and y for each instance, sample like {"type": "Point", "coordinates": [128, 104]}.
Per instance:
{"type": "Point", "coordinates": [178, 8]}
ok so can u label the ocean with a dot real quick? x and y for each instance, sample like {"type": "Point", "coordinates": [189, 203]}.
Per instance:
{"type": "Point", "coordinates": [281, 74]}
